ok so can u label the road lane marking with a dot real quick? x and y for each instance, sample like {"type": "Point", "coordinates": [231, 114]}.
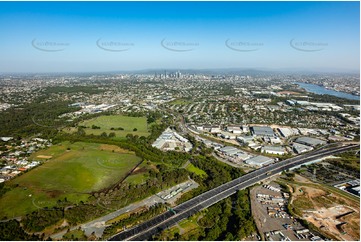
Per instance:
{"type": "Point", "coordinates": [189, 206]}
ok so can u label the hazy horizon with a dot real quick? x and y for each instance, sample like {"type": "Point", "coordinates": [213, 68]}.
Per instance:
{"type": "Point", "coordinates": [186, 70]}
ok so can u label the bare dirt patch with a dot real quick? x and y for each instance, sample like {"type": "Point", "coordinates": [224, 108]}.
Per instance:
{"type": "Point", "coordinates": [325, 210]}
{"type": "Point", "coordinates": [115, 149]}
{"type": "Point", "coordinates": [302, 179]}
{"type": "Point", "coordinates": [54, 193]}
{"type": "Point", "coordinates": [326, 219]}
{"type": "Point", "coordinates": [44, 156]}
{"type": "Point", "coordinates": [139, 170]}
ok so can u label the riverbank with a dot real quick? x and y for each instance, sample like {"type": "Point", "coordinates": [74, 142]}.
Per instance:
{"type": "Point", "coordinates": [322, 90]}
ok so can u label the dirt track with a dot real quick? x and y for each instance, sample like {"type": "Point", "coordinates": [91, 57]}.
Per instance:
{"type": "Point", "coordinates": [326, 207]}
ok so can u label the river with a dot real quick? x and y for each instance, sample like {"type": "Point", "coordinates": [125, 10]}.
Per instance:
{"type": "Point", "coordinates": [321, 90]}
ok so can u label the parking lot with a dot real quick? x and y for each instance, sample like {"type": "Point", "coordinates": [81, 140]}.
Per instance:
{"type": "Point", "coordinates": [269, 209]}
{"type": "Point", "coordinates": [171, 195]}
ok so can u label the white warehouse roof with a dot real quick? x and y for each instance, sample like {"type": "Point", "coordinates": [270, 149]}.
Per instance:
{"type": "Point", "coordinates": [259, 160]}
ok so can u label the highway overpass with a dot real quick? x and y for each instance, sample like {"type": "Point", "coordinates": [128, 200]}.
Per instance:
{"type": "Point", "coordinates": [153, 226]}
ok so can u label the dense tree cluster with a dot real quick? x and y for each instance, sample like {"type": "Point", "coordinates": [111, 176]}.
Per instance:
{"type": "Point", "coordinates": [3, 189]}
{"type": "Point", "coordinates": [34, 118]}
{"type": "Point", "coordinates": [153, 116]}
{"type": "Point", "coordinates": [166, 173]}
{"type": "Point", "coordinates": [95, 127]}
{"type": "Point", "coordinates": [125, 193]}
{"type": "Point", "coordinates": [348, 161]}
{"type": "Point", "coordinates": [83, 212]}
{"type": "Point", "coordinates": [42, 218]}
{"type": "Point", "coordinates": [119, 128]}
{"type": "Point", "coordinates": [11, 230]}
{"type": "Point", "coordinates": [229, 219]}
{"type": "Point", "coordinates": [134, 218]}
{"type": "Point", "coordinates": [74, 214]}
{"type": "Point", "coordinates": [218, 173]}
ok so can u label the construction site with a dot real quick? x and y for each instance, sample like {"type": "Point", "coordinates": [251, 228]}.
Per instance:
{"type": "Point", "coordinates": [334, 213]}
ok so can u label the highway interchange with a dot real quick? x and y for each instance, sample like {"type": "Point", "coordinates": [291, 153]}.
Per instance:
{"type": "Point", "coordinates": [153, 226]}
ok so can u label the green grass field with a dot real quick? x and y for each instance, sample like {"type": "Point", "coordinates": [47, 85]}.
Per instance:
{"type": "Point", "coordinates": [190, 167]}
{"type": "Point", "coordinates": [136, 179]}
{"type": "Point", "coordinates": [302, 203]}
{"type": "Point", "coordinates": [73, 171]}
{"type": "Point", "coordinates": [188, 224]}
{"type": "Point", "coordinates": [189, 228]}
{"type": "Point", "coordinates": [115, 121]}
{"type": "Point", "coordinates": [140, 174]}
{"type": "Point", "coordinates": [75, 235]}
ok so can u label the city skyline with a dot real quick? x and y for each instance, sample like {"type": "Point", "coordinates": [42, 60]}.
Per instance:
{"type": "Point", "coordinates": [119, 36]}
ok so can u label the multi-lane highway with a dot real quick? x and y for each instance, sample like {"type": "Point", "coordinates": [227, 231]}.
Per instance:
{"type": "Point", "coordinates": [153, 226]}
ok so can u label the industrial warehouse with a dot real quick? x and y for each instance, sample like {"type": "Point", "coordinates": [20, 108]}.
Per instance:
{"type": "Point", "coordinates": [171, 140]}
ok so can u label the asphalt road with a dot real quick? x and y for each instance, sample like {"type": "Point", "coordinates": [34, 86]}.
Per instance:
{"type": "Point", "coordinates": [98, 225]}
{"type": "Point", "coordinates": [153, 226]}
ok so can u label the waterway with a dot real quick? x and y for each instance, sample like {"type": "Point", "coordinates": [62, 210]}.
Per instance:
{"type": "Point", "coordinates": [321, 90]}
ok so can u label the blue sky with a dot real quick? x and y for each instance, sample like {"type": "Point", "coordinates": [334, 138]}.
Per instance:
{"type": "Point", "coordinates": [111, 36]}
